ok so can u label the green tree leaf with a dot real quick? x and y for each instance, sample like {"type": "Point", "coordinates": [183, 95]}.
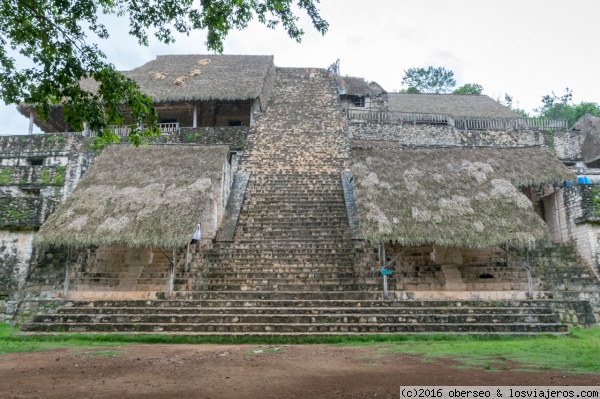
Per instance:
{"type": "Point", "coordinates": [429, 80]}
{"type": "Point", "coordinates": [469, 88]}
{"type": "Point", "coordinates": [562, 107]}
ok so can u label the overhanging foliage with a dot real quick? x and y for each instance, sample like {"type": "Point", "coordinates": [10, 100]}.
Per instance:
{"type": "Point", "coordinates": [53, 35]}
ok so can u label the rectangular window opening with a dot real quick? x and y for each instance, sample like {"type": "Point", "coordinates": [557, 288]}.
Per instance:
{"type": "Point", "coordinates": [31, 192]}
{"type": "Point", "coordinates": [234, 122]}
{"type": "Point", "coordinates": [357, 101]}
{"type": "Point", "coordinates": [35, 161]}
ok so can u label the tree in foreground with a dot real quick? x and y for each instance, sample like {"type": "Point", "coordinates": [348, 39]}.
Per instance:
{"type": "Point", "coordinates": [469, 88]}
{"type": "Point", "coordinates": [509, 102]}
{"type": "Point", "coordinates": [428, 80]}
{"type": "Point", "coordinates": [53, 34]}
{"type": "Point", "coordinates": [562, 107]}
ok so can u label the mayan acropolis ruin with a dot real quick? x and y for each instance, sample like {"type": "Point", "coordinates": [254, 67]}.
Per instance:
{"type": "Point", "coordinates": [326, 204]}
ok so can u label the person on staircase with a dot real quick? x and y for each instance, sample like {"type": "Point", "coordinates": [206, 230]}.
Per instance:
{"type": "Point", "coordinates": [197, 235]}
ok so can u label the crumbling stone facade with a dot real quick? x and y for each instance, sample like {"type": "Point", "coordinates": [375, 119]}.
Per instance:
{"type": "Point", "coordinates": [565, 144]}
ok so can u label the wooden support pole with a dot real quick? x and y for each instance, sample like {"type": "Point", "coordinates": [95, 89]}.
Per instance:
{"type": "Point", "coordinates": [31, 122]}
{"type": "Point", "coordinates": [187, 257]}
{"type": "Point", "coordinates": [172, 271]}
{"type": "Point", "coordinates": [195, 122]}
{"type": "Point", "coordinates": [528, 269]}
{"type": "Point", "coordinates": [557, 214]}
{"type": "Point", "coordinates": [67, 275]}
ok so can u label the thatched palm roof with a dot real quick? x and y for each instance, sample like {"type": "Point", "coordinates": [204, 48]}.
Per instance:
{"type": "Point", "coordinates": [146, 196]}
{"type": "Point", "coordinates": [353, 86]}
{"type": "Point", "coordinates": [453, 105]}
{"type": "Point", "coordinates": [452, 197]}
{"type": "Point", "coordinates": [200, 77]}
{"type": "Point", "coordinates": [194, 77]}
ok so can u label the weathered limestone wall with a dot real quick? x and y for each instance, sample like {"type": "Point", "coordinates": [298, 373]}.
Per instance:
{"type": "Point", "coordinates": [25, 211]}
{"type": "Point", "coordinates": [47, 270]}
{"type": "Point", "coordinates": [235, 136]}
{"type": "Point", "coordinates": [557, 221]}
{"type": "Point", "coordinates": [15, 256]}
{"type": "Point", "coordinates": [422, 269]}
{"type": "Point", "coordinates": [581, 210]}
{"type": "Point", "coordinates": [64, 159]}
{"type": "Point", "coordinates": [36, 173]}
{"type": "Point", "coordinates": [565, 144]}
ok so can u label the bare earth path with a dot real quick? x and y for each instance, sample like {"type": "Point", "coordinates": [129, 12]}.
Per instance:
{"type": "Point", "coordinates": [244, 371]}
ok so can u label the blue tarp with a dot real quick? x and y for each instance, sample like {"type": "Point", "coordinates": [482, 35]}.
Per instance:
{"type": "Point", "coordinates": [584, 180]}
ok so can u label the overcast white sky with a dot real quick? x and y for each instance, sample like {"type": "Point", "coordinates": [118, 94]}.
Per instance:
{"type": "Point", "coordinates": [526, 48]}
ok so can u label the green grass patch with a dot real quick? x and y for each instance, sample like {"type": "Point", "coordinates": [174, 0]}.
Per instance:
{"type": "Point", "coordinates": [11, 343]}
{"type": "Point", "coordinates": [578, 351]}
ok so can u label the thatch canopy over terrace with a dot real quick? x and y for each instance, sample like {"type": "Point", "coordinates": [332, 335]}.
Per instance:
{"type": "Point", "coordinates": [180, 79]}
{"type": "Point", "coordinates": [145, 196]}
{"type": "Point", "coordinates": [197, 77]}
{"type": "Point", "coordinates": [452, 196]}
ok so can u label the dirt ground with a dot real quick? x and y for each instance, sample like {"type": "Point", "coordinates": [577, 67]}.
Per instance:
{"type": "Point", "coordinates": [245, 371]}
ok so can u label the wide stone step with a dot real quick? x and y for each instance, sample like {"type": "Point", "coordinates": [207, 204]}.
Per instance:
{"type": "Point", "coordinates": [254, 252]}
{"type": "Point", "coordinates": [276, 271]}
{"type": "Point", "coordinates": [270, 310]}
{"type": "Point", "coordinates": [295, 233]}
{"type": "Point", "coordinates": [118, 287]}
{"type": "Point", "coordinates": [308, 300]}
{"type": "Point", "coordinates": [340, 223]}
{"type": "Point", "coordinates": [294, 318]}
{"type": "Point", "coordinates": [156, 274]}
{"type": "Point", "coordinates": [287, 287]}
{"type": "Point", "coordinates": [268, 201]}
{"type": "Point", "coordinates": [116, 281]}
{"type": "Point", "coordinates": [325, 282]}
{"type": "Point", "coordinates": [261, 219]}
{"type": "Point", "coordinates": [292, 209]}
{"type": "Point", "coordinates": [287, 246]}
{"type": "Point", "coordinates": [286, 242]}
{"type": "Point", "coordinates": [317, 294]}
{"type": "Point", "coordinates": [282, 264]}
{"type": "Point", "coordinates": [348, 328]}
{"type": "Point", "coordinates": [300, 227]}
{"type": "Point", "coordinates": [229, 275]}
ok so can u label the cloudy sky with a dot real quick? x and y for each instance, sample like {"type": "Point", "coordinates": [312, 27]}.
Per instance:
{"type": "Point", "coordinates": [526, 48]}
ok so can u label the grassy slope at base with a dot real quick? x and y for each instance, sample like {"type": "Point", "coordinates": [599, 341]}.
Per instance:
{"type": "Point", "coordinates": [577, 351]}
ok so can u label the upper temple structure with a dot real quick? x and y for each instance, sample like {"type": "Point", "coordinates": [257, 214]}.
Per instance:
{"type": "Point", "coordinates": [297, 201]}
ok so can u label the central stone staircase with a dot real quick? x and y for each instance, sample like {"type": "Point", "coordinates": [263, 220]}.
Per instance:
{"type": "Point", "coordinates": [291, 266]}
{"type": "Point", "coordinates": [292, 234]}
